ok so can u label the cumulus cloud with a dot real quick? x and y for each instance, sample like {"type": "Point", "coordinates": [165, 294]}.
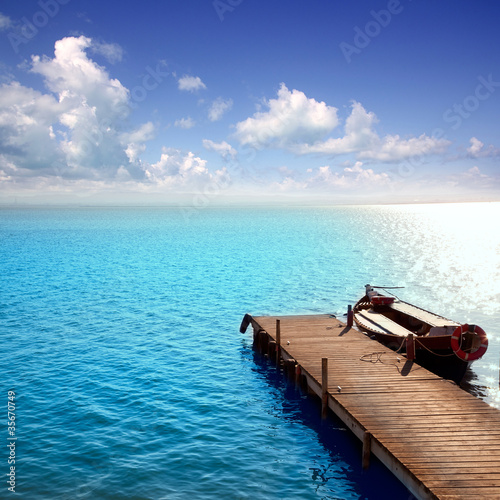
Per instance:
{"type": "Point", "coordinates": [223, 148]}
{"type": "Point", "coordinates": [477, 149]}
{"type": "Point", "coordinates": [191, 83]}
{"type": "Point", "coordinates": [359, 135]}
{"type": "Point", "coordinates": [361, 139]}
{"type": "Point", "coordinates": [77, 131]}
{"type": "Point", "coordinates": [299, 124]}
{"type": "Point", "coordinates": [173, 163]}
{"type": "Point", "coordinates": [291, 118]}
{"type": "Point", "coordinates": [82, 115]}
{"type": "Point", "coordinates": [218, 108]}
{"type": "Point", "coordinates": [135, 141]}
{"type": "Point", "coordinates": [75, 79]}
{"type": "Point", "coordinates": [27, 139]}
{"type": "Point", "coordinates": [177, 169]}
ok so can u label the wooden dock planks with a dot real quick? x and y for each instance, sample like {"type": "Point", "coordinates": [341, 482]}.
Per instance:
{"type": "Point", "coordinates": [440, 441]}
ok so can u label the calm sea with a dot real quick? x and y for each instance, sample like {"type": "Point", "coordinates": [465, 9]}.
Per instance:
{"type": "Point", "coordinates": [119, 337]}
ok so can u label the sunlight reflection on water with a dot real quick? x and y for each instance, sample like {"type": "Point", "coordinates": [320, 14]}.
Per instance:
{"type": "Point", "coordinates": [457, 247]}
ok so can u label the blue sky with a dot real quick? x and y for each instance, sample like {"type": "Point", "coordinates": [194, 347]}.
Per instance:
{"type": "Point", "coordinates": [213, 102]}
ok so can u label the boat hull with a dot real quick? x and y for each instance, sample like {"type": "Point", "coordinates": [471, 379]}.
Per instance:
{"type": "Point", "coordinates": [441, 361]}
{"type": "Point", "coordinates": [433, 351]}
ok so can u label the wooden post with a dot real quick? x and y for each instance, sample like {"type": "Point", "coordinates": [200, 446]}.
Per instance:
{"type": "Point", "coordinates": [350, 316]}
{"type": "Point", "coordinates": [410, 346]}
{"type": "Point", "coordinates": [297, 375]}
{"type": "Point", "coordinates": [278, 341]}
{"type": "Point", "coordinates": [289, 365]}
{"type": "Point", "coordinates": [367, 445]}
{"type": "Point", "coordinates": [263, 342]}
{"type": "Point", "coordinates": [245, 322]}
{"type": "Point", "coordinates": [271, 349]}
{"type": "Point", "coordinates": [324, 387]}
{"type": "Point", "coordinates": [256, 339]}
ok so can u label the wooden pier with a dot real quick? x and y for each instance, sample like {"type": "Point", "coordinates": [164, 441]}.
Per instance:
{"type": "Point", "coordinates": [440, 441]}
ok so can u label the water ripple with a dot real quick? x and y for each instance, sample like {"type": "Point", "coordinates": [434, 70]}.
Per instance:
{"type": "Point", "coordinates": [120, 331]}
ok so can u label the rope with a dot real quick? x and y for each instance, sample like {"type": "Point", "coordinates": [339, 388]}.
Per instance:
{"type": "Point", "coordinates": [393, 294]}
{"type": "Point", "coordinates": [401, 346]}
{"type": "Point", "coordinates": [443, 355]}
{"type": "Point", "coordinates": [378, 354]}
{"type": "Point", "coordinates": [431, 351]}
{"type": "Point", "coordinates": [376, 357]}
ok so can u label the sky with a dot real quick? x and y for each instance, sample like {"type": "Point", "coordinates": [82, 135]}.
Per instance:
{"type": "Point", "coordinates": [214, 102]}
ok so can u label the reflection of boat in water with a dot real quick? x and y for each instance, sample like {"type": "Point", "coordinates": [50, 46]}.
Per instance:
{"type": "Point", "coordinates": [440, 345]}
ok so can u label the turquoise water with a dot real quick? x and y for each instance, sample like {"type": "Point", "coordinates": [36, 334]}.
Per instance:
{"type": "Point", "coordinates": [120, 339]}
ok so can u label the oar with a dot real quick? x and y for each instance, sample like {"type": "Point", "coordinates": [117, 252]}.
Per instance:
{"type": "Point", "coordinates": [386, 287]}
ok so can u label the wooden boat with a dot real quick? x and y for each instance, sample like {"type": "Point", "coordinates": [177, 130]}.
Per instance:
{"type": "Point", "coordinates": [441, 345]}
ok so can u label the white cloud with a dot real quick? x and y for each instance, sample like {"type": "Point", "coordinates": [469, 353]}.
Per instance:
{"type": "Point", "coordinates": [27, 137]}
{"type": "Point", "coordinates": [135, 141]}
{"type": "Point", "coordinates": [393, 148]}
{"type": "Point", "coordinates": [76, 78]}
{"type": "Point", "coordinates": [111, 51]}
{"type": "Point", "coordinates": [76, 136]}
{"type": "Point", "coordinates": [223, 148]}
{"type": "Point", "coordinates": [5, 22]}
{"type": "Point", "coordinates": [292, 118]}
{"type": "Point", "coordinates": [92, 107]}
{"type": "Point", "coordinates": [173, 163]}
{"type": "Point", "coordinates": [289, 184]}
{"type": "Point", "coordinates": [191, 83]}
{"type": "Point", "coordinates": [298, 124]}
{"type": "Point", "coordinates": [184, 171]}
{"type": "Point", "coordinates": [185, 123]}
{"type": "Point", "coordinates": [75, 130]}
{"type": "Point", "coordinates": [477, 149]}
{"type": "Point", "coordinates": [351, 177]}
{"type": "Point", "coordinates": [218, 108]}
{"type": "Point", "coordinates": [359, 135]}
{"type": "Point", "coordinates": [473, 179]}
{"type": "Point", "coordinates": [475, 146]}
{"type": "Point", "coordinates": [474, 173]}
{"type": "Point", "coordinates": [361, 139]}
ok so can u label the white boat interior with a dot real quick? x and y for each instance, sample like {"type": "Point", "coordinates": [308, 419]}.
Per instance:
{"type": "Point", "coordinates": [421, 322]}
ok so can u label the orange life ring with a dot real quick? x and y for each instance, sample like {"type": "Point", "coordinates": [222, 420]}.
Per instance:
{"type": "Point", "coordinates": [455, 344]}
